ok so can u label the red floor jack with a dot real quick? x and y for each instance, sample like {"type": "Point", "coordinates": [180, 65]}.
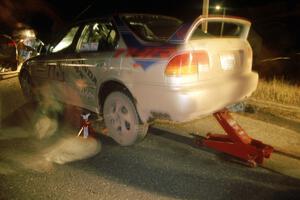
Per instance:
{"type": "Point", "coordinates": [237, 142]}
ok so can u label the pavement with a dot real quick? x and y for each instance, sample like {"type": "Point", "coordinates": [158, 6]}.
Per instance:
{"type": "Point", "coordinates": [11, 96]}
{"type": "Point", "coordinates": [281, 133]}
{"type": "Point", "coordinates": [6, 75]}
{"type": "Point", "coordinates": [284, 137]}
{"type": "Point", "coordinates": [157, 168]}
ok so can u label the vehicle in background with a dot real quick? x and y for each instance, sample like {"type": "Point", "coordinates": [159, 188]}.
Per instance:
{"type": "Point", "coordinates": [8, 54]}
{"type": "Point", "coordinates": [279, 53]}
{"type": "Point", "coordinates": [282, 67]}
{"type": "Point", "coordinates": [28, 45]}
{"type": "Point", "coordinates": [133, 68]}
{"type": "Point", "coordinates": [15, 50]}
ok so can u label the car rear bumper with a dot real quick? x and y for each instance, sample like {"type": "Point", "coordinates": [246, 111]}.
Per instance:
{"type": "Point", "coordinates": [190, 102]}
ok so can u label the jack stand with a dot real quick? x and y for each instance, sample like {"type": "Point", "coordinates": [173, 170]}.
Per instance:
{"type": "Point", "coordinates": [237, 142]}
{"type": "Point", "coordinates": [85, 126]}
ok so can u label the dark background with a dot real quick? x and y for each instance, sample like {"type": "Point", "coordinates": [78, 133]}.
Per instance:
{"type": "Point", "coordinates": [274, 31]}
{"type": "Point", "coordinates": [48, 16]}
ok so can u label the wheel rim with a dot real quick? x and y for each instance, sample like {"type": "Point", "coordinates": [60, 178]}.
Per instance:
{"type": "Point", "coordinates": [121, 120]}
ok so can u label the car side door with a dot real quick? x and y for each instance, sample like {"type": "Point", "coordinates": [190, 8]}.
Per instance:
{"type": "Point", "coordinates": [95, 48]}
{"type": "Point", "coordinates": [49, 70]}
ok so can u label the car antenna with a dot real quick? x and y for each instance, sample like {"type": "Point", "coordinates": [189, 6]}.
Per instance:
{"type": "Point", "coordinates": [84, 10]}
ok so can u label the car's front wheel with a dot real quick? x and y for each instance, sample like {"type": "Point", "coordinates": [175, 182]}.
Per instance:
{"type": "Point", "coordinates": [122, 120]}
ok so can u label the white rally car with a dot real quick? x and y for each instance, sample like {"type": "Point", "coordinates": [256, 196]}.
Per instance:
{"type": "Point", "coordinates": [132, 68]}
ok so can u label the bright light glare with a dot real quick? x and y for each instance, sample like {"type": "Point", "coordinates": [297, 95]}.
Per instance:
{"type": "Point", "coordinates": [218, 7]}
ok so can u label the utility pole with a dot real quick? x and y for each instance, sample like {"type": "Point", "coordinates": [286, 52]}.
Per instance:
{"type": "Point", "coordinates": [205, 8]}
{"type": "Point", "coordinates": [222, 27]}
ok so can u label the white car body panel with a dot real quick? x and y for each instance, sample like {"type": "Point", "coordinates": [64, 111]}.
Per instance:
{"type": "Point", "coordinates": [227, 80]}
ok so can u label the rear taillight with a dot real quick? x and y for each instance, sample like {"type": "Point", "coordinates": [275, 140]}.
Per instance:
{"type": "Point", "coordinates": [187, 63]}
{"type": "Point", "coordinates": [11, 44]}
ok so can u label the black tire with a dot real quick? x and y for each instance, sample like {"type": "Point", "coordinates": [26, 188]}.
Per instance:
{"type": "Point", "coordinates": [122, 120]}
{"type": "Point", "coordinates": [26, 85]}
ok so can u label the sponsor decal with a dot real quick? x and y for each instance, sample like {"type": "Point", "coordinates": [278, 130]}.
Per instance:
{"type": "Point", "coordinates": [87, 93]}
{"type": "Point", "coordinates": [180, 34]}
{"type": "Point", "coordinates": [81, 69]}
{"type": "Point", "coordinates": [55, 72]}
{"type": "Point", "coordinates": [79, 72]}
{"type": "Point", "coordinates": [146, 52]}
{"type": "Point", "coordinates": [145, 57]}
{"type": "Point", "coordinates": [90, 74]}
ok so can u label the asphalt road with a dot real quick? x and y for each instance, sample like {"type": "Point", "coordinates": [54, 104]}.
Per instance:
{"type": "Point", "coordinates": [52, 163]}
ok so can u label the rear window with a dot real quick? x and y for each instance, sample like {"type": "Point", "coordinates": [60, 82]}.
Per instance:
{"type": "Point", "coordinates": [218, 29]}
{"type": "Point", "coordinates": [153, 28]}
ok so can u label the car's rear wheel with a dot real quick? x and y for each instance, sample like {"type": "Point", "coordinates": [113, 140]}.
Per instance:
{"type": "Point", "coordinates": [122, 120]}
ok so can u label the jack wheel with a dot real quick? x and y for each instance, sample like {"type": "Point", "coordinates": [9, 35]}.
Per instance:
{"type": "Point", "coordinates": [251, 163]}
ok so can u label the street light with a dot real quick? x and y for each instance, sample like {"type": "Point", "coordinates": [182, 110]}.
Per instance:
{"type": "Point", "coordinates": [218, 7]}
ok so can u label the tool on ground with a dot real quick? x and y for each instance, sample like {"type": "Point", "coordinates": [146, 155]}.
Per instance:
{"type": "Point", "coordinates": [237, 142]}
{"type": "Point", "coordinates": [85, 125]}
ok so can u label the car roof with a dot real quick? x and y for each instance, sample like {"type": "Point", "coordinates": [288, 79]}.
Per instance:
{"type": "Point", "coordinates": [118, 14]}
{"type": "Point", "coordinates": [56, 36]}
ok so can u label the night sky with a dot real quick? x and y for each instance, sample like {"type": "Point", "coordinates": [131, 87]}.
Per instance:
{"type": "Point", "coordinates": [181, 8]}
{"type": "Point", "coordinates": [69, 11]}
{"type": "Point", "coordinates": [49, 16]}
